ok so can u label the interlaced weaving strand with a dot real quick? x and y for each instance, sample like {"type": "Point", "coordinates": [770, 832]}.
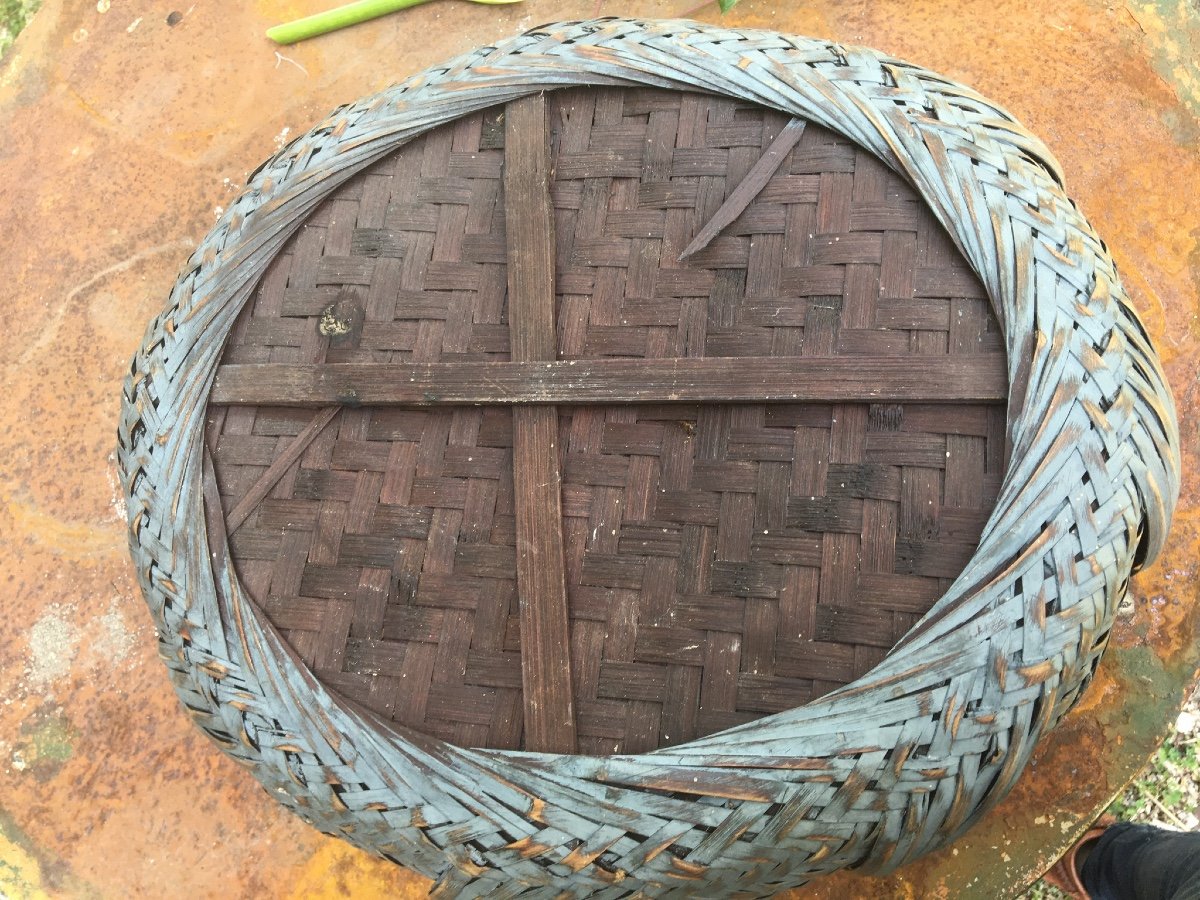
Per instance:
{"type": "Point", "coordinates": [889, 766]}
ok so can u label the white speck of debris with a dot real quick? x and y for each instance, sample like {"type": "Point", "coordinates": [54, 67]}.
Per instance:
{"type": "Point", "coordinates": [280, 58]}
{"type": "Point", "coordinates": [102, 6]}
{"type": "Point", "coordinates": [282, 137]}
{"type": "Point", "coordinates": [1186, 722]}
{"type": "Point", "coordinates": [18, 761]}
{"type": "Point", "coordinates": [53, 643]}
{"type": "Point", "coordinates": [80, 36]}
{"type": "Point", "coordinates": [132, 27]}
{"type": "Point", "coordinates": [218, 211]}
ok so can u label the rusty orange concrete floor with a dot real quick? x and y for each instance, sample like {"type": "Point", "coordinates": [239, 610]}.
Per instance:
{"type": "Point", "coordinates": [123, 136]}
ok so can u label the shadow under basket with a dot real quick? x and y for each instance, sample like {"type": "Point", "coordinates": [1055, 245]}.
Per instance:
{"type": "Point", "coordinates": [740, 428]}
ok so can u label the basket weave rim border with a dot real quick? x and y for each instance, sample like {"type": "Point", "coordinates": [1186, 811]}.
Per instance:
{"type": "Point", "coordinates": [1089, 392]}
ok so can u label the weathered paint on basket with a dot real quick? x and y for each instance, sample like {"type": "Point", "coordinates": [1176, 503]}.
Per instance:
{"type": "Point", "coordinates": [889, 767]}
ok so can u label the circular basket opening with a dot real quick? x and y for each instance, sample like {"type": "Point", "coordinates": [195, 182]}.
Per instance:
{"type": "Point", "coordinates": [724, 559]}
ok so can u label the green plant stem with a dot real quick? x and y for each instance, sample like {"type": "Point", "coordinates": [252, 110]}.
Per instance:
{"type": "Point", "coordinates": [333, 19]}
{"type": "Point", "coordinates": [724, 5]}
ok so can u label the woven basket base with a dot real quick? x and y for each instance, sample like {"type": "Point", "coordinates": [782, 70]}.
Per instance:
{"type": "Point", "coordinates": [723, 560]}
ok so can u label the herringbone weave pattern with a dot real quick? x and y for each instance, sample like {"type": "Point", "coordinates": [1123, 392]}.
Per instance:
{"type": "Point", "coordinates": [724, 562]}
{"type": "Point", "coordinates": [894, 764]}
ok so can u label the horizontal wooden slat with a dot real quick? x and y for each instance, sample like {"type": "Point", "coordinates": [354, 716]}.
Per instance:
{"type": "Point", "coordinates": [978, 377]}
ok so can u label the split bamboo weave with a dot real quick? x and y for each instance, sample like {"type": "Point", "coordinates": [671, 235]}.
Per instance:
{"type": "Point", "coordinates": [898, 761]}
{"type": "Point", "coordinates": [723, 560]}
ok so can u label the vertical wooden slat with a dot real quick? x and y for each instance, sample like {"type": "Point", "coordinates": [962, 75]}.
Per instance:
{"type": "Point", "coordinates": [541, 573]}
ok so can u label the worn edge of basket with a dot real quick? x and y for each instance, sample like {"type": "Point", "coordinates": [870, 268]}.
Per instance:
{"type": "Point", "coordinates": [233, 672]}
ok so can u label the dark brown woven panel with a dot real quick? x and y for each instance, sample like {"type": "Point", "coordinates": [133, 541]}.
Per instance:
{"type": "Point", "coordinates": [723, 561]}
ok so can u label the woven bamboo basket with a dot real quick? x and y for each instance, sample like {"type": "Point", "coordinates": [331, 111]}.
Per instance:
{"type": "Point", "coordinates": [595, 465]}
